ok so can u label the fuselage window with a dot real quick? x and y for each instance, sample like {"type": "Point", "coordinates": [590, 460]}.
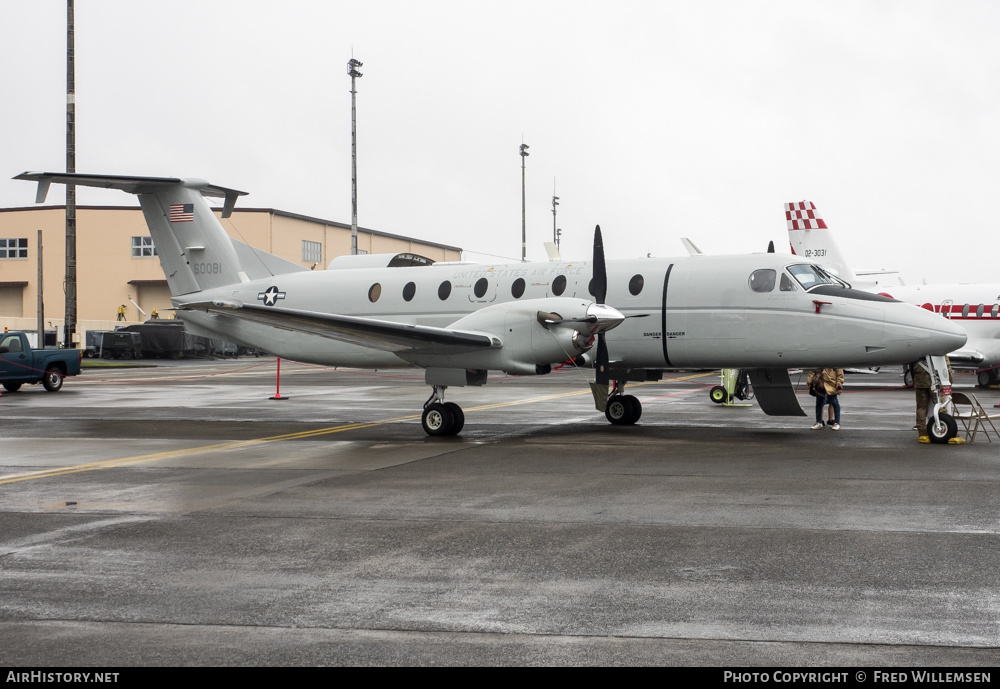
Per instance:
{"type": "Point", "coordinates": [995, 311]}
{"type": "Point", "coordinates": [763, 280]}
{"type": "Point", "coordinates": [559, 285]}
{"type": "Point", "coordinates": [482, 284]}
{"type": "Point", "coordinates": [517, 289]}
{"type": "Point", "coordinates": [635, 285]}
{"type": "Point", "coordinates": [787, 284]}
{"type": "Point", "coordinates": [444, 291]}
{"type": "Point", "coordinates": [409, 290]}
{"type": "Point", "coordinates": [965, 311]}
{"type": "Point", "coordinates": [374, 292]}
{"type": "Point", "coordinates": [979, 310]}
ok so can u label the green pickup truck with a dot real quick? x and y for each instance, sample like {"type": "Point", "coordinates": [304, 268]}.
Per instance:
{"type": "Point", "coordinates": [20, 364]}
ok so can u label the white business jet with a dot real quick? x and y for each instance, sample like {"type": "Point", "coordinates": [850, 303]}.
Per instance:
{"type": "Point", "coordinates": [763, 312]}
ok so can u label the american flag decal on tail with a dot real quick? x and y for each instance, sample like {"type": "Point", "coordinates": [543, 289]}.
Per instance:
{"type": "Point", "coordinates": [181, 212]}
{"type": "Point", "coordinates": [803, 216]}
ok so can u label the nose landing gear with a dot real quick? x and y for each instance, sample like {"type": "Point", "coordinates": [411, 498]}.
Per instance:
{"type": "Point", "coordinates": [622, 409]}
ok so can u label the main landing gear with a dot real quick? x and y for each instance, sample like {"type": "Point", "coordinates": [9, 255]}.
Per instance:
{"type": "Point", "coordinates": [622, 409]}
{"type": "Point", "coordinates": [440, 417]}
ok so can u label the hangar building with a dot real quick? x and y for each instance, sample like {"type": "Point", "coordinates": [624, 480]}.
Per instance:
{"type": "Point", "coordinates": [117, 264]}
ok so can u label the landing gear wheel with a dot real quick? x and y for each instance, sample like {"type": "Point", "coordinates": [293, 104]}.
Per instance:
{"type": "Point", "coordinates": [617, 410]}
{"type": "Point", "coordinates": [437, 419]}
{"type": "Point", "coordinates": [986, 378]}
{"type": "Point", "coordinates": [458, 418]}
{"type": "Point", "coordinates": [12, 387]}
{"type": "Point", "coordinates": [636, 408]}
{"type": "Point", "coordinates": [718, 394]}
{"type": "Point", "coordinates": [53, 380]}
{"type": "Point", "coordinates": [943, 433]}
{"type": "Point", "coordinates": [623, 410]}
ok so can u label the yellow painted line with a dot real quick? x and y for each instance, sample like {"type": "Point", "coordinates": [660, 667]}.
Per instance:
{"type": "Point", "coordinates": [237, 444]}
{"type": "Point", "coordinates": [204, 449]}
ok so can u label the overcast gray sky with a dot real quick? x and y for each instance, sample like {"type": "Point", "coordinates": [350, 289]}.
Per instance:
{"type": "Point", "coordinates": [657, 120]}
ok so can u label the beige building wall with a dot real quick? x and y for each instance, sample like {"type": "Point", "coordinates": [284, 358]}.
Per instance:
{"type": "Point", "coordinates": [110, 277]}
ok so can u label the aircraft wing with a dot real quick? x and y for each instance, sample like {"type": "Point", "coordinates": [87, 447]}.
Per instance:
{"type": "Point", "coordinates": [388, 336]}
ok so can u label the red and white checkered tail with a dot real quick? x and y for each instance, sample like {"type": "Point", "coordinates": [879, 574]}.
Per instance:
{"type": "Point", "coordinates": [802, 215]}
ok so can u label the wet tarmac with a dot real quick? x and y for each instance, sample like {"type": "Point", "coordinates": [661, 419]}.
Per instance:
{"type": "Point", "coordinates": [178, 516]}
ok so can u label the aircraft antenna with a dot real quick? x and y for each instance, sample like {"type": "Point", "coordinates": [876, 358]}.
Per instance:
{"type": "Point", "coordinates": [254, 250]}
{"type": "Point", "coordinates": [555, 202]}
{"type": "Point", "coordinates": [524, 238]}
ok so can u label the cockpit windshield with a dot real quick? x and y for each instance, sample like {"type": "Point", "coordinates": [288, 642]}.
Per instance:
{"type": "Point", "coordinates": [809, 276]}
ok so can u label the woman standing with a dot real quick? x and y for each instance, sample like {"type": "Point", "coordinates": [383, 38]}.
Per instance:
{"type": "Point", "coordinates": [826, 384]}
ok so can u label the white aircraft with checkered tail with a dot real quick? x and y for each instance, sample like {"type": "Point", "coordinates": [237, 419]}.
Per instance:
{"type": "Point", "coordinates": [975, 307]}
{"type": "Point", "coordinates": [457, 321]}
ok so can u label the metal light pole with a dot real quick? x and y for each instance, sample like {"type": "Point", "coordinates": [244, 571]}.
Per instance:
{"type": "Point", "coordinates": [40, 302]}
{"type": "Point", "coordinates": [70, 323]}
{"type": "Point", "coordinates": [524, 238]}
{"type": "Point", "coordinates": [353, 70]}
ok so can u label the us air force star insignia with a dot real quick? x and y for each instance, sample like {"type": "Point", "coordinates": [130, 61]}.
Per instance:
{"type": "Point", "coordinates": [271, 296]}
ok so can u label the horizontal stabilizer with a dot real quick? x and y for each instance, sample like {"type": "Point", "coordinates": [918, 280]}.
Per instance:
{"type": "Point", "coordinates": [133, 185]}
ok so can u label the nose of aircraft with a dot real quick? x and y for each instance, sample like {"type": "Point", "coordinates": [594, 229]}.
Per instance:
{"type": "Point", "coordinates": [944, 335]}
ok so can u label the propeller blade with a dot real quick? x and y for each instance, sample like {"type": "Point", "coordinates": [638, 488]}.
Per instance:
{"type": "Point", "coordinates": [602, 362]}
{"type": "Point", "coordinates": [600, 269]}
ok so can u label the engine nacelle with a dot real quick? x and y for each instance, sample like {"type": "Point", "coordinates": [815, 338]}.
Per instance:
{"type": "Point", "coordinates": [530, 342]}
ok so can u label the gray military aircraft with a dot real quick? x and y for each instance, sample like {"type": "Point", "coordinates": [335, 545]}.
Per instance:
{"type": "Point", "coordinates": [457, 321]}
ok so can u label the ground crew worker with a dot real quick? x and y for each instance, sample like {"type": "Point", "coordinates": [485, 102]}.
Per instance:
{"type": "Point", "coordinates": [922, 383]}
{"type": "Point", "coordinates": [154, 314]}
{"type": "Point", "coordinates": [121, 312]}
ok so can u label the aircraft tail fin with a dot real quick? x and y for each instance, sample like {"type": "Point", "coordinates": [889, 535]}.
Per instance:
{"type": "Point", "coordinates": [193, 248]}
{"type": "Point", "coordinates": [690, 246]}
{"type": "Point", "coordinates": [552, 251]}
{"type": "Point", "coordinates": [809, 237]}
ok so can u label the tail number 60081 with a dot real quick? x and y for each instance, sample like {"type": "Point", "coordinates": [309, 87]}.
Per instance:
{"type": "Point", "coordinates": [206, 268]}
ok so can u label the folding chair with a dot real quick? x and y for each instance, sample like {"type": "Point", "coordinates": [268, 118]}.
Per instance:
{"type": "Point", "coordinates": [985, 418]}
{"type": "Point", "coordinates": [965, 413]}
